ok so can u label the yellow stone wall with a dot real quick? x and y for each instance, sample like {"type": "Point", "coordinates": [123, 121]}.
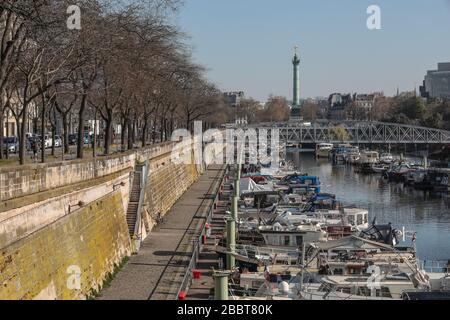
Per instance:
{"type": "Point", "coordinates": [93, 239]}
{"type": "Point", "coordinates": [167, 183]}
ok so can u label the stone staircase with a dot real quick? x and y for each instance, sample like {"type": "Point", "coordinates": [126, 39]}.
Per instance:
{"type": "Point", "coordinates": [133, 205]}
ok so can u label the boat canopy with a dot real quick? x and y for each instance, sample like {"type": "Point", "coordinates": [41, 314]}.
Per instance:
{"type": "Point", "coordinates": [248, 186]}
{"type": "Point", "coordinates": [351, 242]}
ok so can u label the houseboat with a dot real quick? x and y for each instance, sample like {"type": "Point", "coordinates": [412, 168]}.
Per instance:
{"type": "Point", "coordinates": [277, 235]}
{"type": "Point", "coordinates": [369, 157]}
{"type": "Point", "coordinates": [352, 155]}
{"type": "Point", "coordinates": [386, 158]}
{"type": "Point", "coordinates": [323, 150]}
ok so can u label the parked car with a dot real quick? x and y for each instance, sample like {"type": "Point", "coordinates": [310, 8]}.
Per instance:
{"type": "Point", "coordinates": [73, 139]}
{"type": "Point", "coordinates": [48, 141]}
{"type": "Point", "coordinates": [11, 144]}
{"type": "Point", "coordinates": [58, 142]}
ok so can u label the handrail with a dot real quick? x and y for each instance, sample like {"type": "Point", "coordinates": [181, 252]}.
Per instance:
{"type": "Point", "coordinates": [143, 182]}
{"type": "Point", "coordinates": [187, 279]}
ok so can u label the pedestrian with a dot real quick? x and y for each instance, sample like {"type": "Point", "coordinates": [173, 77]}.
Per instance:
{"type": "Point", "coordinates": [35, 150]}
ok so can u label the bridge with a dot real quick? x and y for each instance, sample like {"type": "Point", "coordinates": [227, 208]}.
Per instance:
{"type": "Point", "coordinates": [357, 132]}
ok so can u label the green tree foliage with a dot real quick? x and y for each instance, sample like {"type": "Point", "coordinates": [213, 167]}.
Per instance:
{"type": "Point", "coordinates": [339, 133]}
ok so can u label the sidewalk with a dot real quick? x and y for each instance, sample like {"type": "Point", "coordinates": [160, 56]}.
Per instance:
{"type": "Point", "coordinates": [157, 271]}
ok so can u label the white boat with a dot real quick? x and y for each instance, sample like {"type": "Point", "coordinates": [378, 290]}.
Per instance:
{"type": "Point", "coordinates": [382, 287]}
{"type": "Point", "coordinates": [277, 235]}
{"type": "Point", "coordinates": [323, 150]}
{"type": "Point", "coordinates": [352, 217]}
{"type": "Point", "coordinates": [284, 169]}
{"type": "Point", "coordinates": [369, 157]}
{"type": "Point", "coordinates": [387, 158]}
{"type": "Point", "coordinates": [380, 168]}
{"type": "Point", "coordinates": [352, 155]}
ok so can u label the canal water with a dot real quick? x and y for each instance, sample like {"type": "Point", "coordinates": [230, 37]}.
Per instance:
{"type": "Point", "coordinates": [422, 212]}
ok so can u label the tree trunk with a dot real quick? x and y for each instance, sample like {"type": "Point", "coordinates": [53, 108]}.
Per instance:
{"type": "Point", "coordinates": [154, 129]}
{"type": "Point", "coordinates": [2, 113]}
{"type": "Point", "coordinates": [80, 142]}
{"type": "Point", "coordinates": [22, 137]}
{"type": "Point", "coordinates": [144, 134]}
{"type": "Point", "coordinates": [130, 135]}
{"type": "Point", "coordinates": [53, 139]}
{"type": "Point", "coordinates": [108, 134]}
{"type": "Point", "coordinates": [123, 133]}
{"type": "Point", "coordinates": [65, 133]}
{"type": "Point", "coordinates": [94, 139]}
{"type": "Point", "coordinates": [161, 129]}
{"type": "Point", "coordinates": [42, 134]}
{"type": "Point", "coordinates": [134, 131]}
{"type": "Point", "coordinates": [7, 134]}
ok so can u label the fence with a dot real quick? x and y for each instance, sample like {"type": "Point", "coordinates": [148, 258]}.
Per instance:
{"type": "Point", "coordinates": [188, 277]}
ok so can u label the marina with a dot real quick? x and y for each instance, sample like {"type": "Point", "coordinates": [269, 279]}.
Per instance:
{"type": "Point", "coordinates": [329, 230]}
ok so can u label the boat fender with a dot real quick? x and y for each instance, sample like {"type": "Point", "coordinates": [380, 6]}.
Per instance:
{"type": "Point", "coordinates": [284, 287]}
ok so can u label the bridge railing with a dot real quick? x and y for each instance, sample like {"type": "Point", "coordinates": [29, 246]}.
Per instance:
{"type": "Point", "coordinates": [364, 132]}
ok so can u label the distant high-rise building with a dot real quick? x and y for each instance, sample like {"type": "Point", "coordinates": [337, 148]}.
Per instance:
{"type": "Point", "coordinates": [437, 83]}
{"type": "Point", "coordinates": [234, 98]}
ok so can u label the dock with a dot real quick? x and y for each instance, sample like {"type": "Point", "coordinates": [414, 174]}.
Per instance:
{"type": "Point", "coordinates": [203, 288]}
{"type": "Point", "coordinates": [158, 271]}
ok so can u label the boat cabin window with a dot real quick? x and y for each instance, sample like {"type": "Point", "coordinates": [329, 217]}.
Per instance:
{"type": "Point", "coordinates": [364, 291]}
{"type": "Point", "coordinates": [351, 219]}
{"type": "Point", "coordinates": [384, 292]}
{"type": "Point", "coordinates": [338, 272]}
{"type": "Point", "coordinates": [287, 240]}
{"type": "Point", "coordinates": [344, 290]}
{"type": "Point", "coordinates": [359, 220]}
{"type": "Point", "coordinates": [257, 284]}
{"type": "Point", "coordinates": [273, 278]}
{"type": "Point", "coordinates": [299, 240]}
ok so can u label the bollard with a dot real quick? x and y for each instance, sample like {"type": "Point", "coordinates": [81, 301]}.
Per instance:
{"type": "Point", "coordinates": [197, 274]}
{"type": "Point", "coordinates": [221, 286]}
{"type": "Point", "coordinates": [182, 295]}
{"type": "Point", "coordinates": [231, 242]}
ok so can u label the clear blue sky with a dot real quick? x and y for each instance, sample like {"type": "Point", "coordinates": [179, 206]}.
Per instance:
{"type": "Point", "coordinates": [248, 44]}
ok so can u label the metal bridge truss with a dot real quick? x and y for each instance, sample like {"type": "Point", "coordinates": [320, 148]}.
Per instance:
{"type": "Point", "coordinates": [356, 132]}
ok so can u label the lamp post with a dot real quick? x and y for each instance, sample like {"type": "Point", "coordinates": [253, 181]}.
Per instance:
{"type": "Point", "coordinates": [231, 243]}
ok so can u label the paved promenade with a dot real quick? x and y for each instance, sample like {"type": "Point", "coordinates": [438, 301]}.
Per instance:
{"type": "Point", "coordinates": [156, 273]}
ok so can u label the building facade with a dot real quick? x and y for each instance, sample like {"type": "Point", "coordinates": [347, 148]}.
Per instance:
{"type": "Point", "coordinates": [234, 98]}
{"type": "Point", "coordinates": [338, 104]}
{"type": "Point", "coordinates": [366, 101]}
{"type": "Point", "coordinates": [437, 83]}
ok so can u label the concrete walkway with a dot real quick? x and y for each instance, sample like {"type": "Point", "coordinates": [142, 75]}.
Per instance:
{"type": "Point", "coordinates": [203, 288]}
{"type": "Point", "coordinates": [157, 272]}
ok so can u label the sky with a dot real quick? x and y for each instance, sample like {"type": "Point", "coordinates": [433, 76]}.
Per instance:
{"type": "Point", "coordinates": [248, 44]}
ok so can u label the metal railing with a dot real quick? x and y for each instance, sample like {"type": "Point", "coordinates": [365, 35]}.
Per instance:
{"type": "Point", "coordinates": [435, 266]}
{"type": "Point", "coordinates": [188, 277]}
{"type": "Point", "coordinates": [143, 182]}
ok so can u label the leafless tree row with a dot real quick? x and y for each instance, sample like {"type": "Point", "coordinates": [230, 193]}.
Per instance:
{"type": "Point", "coordinates": [127, 65]}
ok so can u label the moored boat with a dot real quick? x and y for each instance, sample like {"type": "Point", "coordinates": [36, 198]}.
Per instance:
{"type": "Point", "coordinates": [323, 150]}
